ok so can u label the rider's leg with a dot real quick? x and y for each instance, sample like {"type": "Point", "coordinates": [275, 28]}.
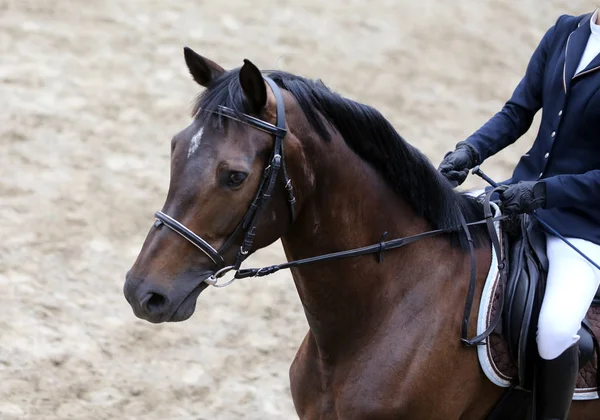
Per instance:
{"type": "Point", "coordinates": [571, 286]}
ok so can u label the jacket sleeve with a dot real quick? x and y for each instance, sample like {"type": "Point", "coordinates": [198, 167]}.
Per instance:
{"type": "Point", "coordinates": [516, 116]}
{"type": "Point", "coordinates": [564, 189]}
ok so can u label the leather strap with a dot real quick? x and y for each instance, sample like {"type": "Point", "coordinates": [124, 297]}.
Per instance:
{"type": "Point", "coordinates": [266, 188]}
{"type": "Point", "coordinates": [472, 283]}
{"type": "Point", "coordinates": [377, 248]}
{"type": "Point", "coordinates": [489, 221]}
{"type": "Point", "coordinates": [197, 241]}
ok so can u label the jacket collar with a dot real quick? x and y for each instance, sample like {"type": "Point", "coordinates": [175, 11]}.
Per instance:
{"type": "Point", "coordinates": [574, 49]}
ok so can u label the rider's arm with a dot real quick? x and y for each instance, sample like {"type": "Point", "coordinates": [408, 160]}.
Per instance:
{"type": "Point", "coordinates": [516, 116]}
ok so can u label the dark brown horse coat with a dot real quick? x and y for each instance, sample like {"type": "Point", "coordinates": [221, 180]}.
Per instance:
{"type": "Point", "coordinates": [384, 338]}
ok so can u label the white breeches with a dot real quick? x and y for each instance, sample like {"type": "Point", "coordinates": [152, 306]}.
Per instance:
{"type": "Point", "coordinates": [571, 286]}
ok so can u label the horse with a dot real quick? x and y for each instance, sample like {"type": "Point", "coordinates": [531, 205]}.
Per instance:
{"type": "Point", "coordinates": [270, 155]}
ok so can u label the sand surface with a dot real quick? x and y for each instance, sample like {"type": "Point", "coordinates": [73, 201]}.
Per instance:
{"type": "Point", "coordinates": [91, 93]}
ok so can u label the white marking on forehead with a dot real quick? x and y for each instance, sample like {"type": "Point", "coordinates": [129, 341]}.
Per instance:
{"type": "Point", "coordinates": [195, 142]}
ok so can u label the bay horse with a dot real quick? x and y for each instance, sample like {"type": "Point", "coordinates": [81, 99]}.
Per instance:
{"type": "Point", "coordinates": [271, 155]}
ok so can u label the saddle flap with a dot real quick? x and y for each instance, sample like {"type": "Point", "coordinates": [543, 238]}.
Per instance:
{"type": "Point", "coordinates": [524, 289]}
{"type": "Point", "coordinates": [527, 350]}
{"type": "Point", "coordinates": [515, 289]}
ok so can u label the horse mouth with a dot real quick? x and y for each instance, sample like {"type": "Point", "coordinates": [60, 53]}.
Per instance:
{"type": "Point", "coordinates": [156, 306]}
{"type": "Point", "coordinates": [187, 306]}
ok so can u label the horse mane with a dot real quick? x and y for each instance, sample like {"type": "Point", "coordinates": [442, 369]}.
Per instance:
{"type": "Point", "coordinates": [366, 131]}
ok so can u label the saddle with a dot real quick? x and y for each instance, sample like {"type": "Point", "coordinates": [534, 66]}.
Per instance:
{"type": "Point", "coordinates": [512, 300]}
{"type": "Point", "coordinates": [527, 270]}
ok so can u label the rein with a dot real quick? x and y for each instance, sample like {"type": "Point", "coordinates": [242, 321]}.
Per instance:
{"type": "Point", "coordinates": [384, 246]}
{"type": "Point", "coordinates": [377, 248]}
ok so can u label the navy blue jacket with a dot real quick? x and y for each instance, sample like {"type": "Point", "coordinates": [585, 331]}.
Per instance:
{"type": "Point", "coordinates": [566, 152]}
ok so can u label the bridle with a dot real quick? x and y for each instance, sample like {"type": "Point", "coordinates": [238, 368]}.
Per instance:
{"type": "Point", "coordinates": [247, 225]}
{"type": "Point", "coordinates": [265, 189]}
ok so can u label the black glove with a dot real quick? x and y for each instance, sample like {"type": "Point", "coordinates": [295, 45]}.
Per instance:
{"type": "Point", "coordinates": [524, 197]}
{"type": "Point", "coordinates": [455, 166]}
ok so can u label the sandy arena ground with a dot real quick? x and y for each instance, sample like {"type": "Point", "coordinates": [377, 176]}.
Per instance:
{"type": "Point", "coordinates": [91, 92]}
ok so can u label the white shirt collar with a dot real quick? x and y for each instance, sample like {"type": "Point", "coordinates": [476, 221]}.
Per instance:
{"type": "Point", "coordinates": [593, 25]}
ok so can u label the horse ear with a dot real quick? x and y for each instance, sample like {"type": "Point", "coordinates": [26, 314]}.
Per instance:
{"type": "Point", "coordinates": [202, 69]}
{"type": "Point", "coordinates": [253, 86]}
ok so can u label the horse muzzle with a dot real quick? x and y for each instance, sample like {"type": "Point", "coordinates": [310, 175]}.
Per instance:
{"type": "Point", "coordinates": [155, 303]}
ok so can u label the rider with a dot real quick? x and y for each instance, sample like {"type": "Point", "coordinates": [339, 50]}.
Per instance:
{"type": "Point", "coordinates": [559, 177]}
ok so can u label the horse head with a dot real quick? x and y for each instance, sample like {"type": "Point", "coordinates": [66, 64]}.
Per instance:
{"type": "Point", "coordinates": [227, 184]}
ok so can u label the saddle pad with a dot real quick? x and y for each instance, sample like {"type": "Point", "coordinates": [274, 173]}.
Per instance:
{"type": "Point", "coordinates": [494, 356]}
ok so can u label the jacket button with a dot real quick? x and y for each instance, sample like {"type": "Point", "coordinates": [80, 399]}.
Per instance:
{"type": "Point", "coordinates": [560, 113]}
{"type": "Point", "coordinates": [546, 155]}
{"type": "Point", "coordinates": [553, 134]}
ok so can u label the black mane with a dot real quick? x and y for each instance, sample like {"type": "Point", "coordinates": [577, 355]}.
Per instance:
{"type": "Point", "coordinates": [371, 136]}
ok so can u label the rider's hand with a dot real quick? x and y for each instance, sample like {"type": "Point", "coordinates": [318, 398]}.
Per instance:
{"type": "Point", "coordinates": [524, 197]}
{"type": "Point", "coordinates": [455, 166]}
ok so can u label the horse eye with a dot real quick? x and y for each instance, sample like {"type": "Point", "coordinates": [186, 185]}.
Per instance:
{"type": "Point", "coordinates": [236, 178]}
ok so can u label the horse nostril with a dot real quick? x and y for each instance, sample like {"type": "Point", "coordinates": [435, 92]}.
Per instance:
{"type": "Point", "coordinates": [154, 303]}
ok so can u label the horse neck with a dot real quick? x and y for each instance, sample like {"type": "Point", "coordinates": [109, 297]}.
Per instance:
{"type": "Point", "coordinates": [351, 206]}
